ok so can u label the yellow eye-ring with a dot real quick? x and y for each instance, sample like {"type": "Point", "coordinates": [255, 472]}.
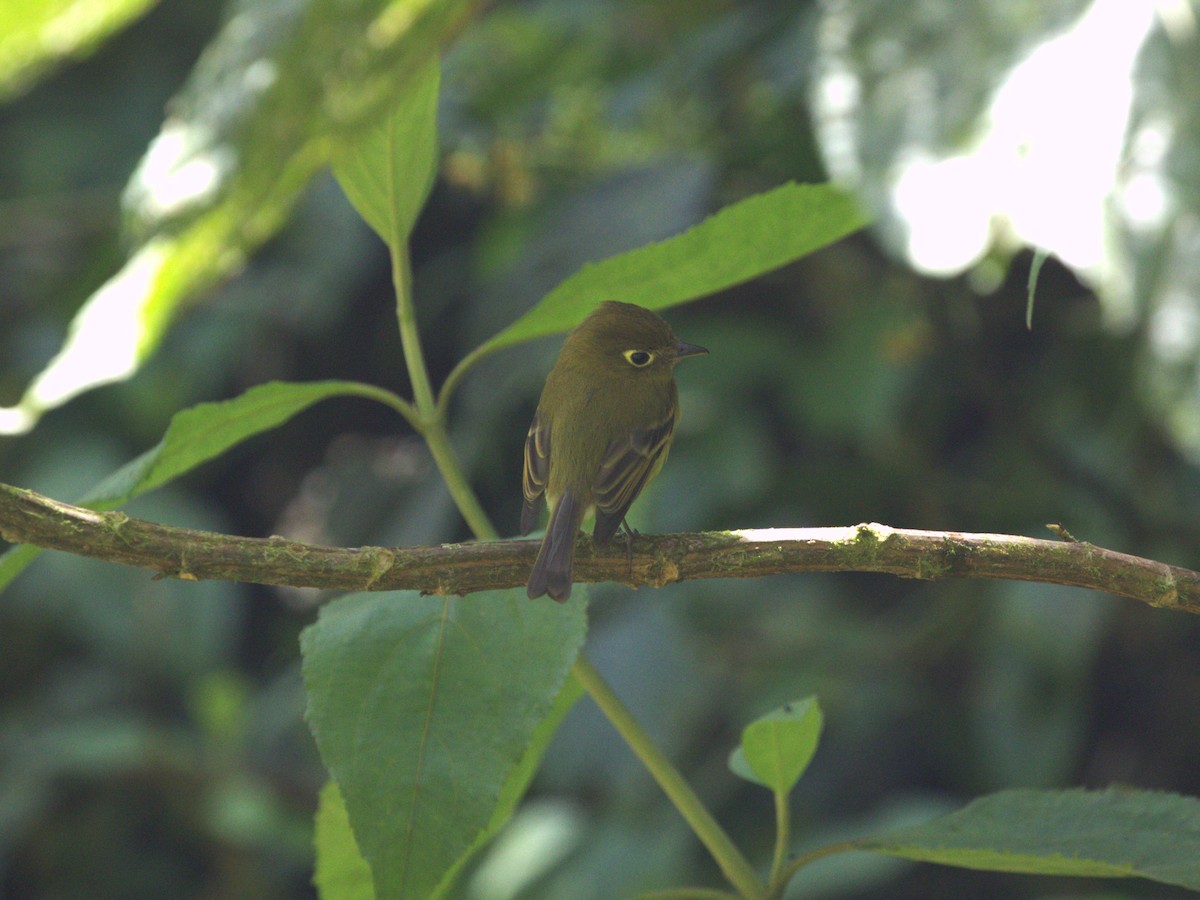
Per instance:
{"type": "Point", "coordinates": [639, 358]}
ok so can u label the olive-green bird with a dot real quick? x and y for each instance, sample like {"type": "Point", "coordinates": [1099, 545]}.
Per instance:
{"type": "Point", "coordinates": [601, 431]}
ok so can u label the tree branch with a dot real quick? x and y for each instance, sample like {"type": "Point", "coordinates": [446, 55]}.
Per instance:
{"type": "Point", "coordinates": [28, 517]}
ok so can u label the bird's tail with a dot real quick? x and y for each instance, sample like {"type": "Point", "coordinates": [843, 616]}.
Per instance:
{"type": "Point", "coordinates": [551, 573]}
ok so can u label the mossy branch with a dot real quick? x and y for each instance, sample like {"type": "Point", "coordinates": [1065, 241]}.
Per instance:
{"type": "Point", "coordinates": [28, 517]}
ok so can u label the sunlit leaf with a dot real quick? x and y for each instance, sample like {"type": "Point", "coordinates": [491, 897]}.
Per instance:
{"type": "Point", "coordinates": [105, 342]}
{"type": "Point", "coordinates": [422, 708]}
{"type": "Point", "coordinates": [1108, 834]}
{"type": "Point", "coordinates": [777, 748]}
{"type": "Point", "coordinates": [993, 127]}
{"type": "Point", "coordinates": [954, 128]}
{"type": "Point", "coordinates": [37, 35]}
{"type": "Point", "coordinates": [273, 95]}
{"type": "Point", "coordinates": [341, 872]}
{"type": "Point", "coordinates": [740, 242]}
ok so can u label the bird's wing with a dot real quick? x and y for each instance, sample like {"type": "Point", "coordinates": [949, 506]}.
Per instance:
{"type": "Point", "coordinates": [537, 468]}
{"type": "Point", "coordinates": [629, 463]}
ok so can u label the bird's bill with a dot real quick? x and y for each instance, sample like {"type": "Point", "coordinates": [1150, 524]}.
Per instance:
{"type": "Point", "coordinates": [683, 348]}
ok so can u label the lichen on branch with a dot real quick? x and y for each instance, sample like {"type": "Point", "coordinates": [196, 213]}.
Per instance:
{"type": "Point", "coordinates": [657, 560]}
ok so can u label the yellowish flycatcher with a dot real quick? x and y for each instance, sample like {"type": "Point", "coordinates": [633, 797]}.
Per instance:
{"type": "Point", "coordinates": [601, 431]}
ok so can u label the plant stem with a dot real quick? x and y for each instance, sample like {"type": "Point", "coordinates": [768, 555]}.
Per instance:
{"type": "Point", "coordinates": [456, 375]}
{"type": "Point", "coordinates": [430, 420]}
{"type": "Point", "coordinates": [782, 838]}
{"type": "Point", "coordinates": [735, 866]}
{"type": "Point", "coordinates": [464, 497]}
{"type": "Point", "coordinates": [790, 870]}
{"type": "Point", "coordinates": [410, 338]}
{"type": "Point", "coordinates": [388, 398]}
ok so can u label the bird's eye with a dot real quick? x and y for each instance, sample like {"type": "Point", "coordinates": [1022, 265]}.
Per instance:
{"type": "Point", "coordinates": [639, 358]}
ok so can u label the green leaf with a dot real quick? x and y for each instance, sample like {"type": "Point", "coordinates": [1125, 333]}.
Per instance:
{"type": "Point", "coordinates": [740, 242]}
{"type": "Point", "coordinates": [777, 748]}
{"type": "Point", "coordinates": [388, 169]}
{"type": "Point", "coordinates": [341, 872]}
{"type": "Point", "coordinates": [39, 34]}
{"type": "Point", "coordinates": [1114, 833]}
{"type": "Point", "coordinates": [281, 86]}
{"type": "Point", "coordinates": [422, 709]}
{"type": "Point", "coordinates": [14, 560]}
{"type": "Point", "coordinates": [207, 430]}
{"type": "Point", "coordinates": [194, 437]}
{"type": "Point", "coordinates": [518, 779]}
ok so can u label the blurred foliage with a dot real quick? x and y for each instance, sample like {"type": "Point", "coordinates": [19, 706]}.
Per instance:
{"type": "Point", "coordinates": [277, 88]}
{"type": "Point", "coordinates": [150, 734]}
{"type": "Point", "coordinates": [1072, 126]}
{"type": "Point", "coordinates": [40, 34]}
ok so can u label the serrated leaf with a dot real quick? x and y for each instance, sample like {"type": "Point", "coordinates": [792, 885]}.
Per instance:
{"type": "Point", "coordinates": [518, 779]}
{"type": "Point", "coordinates": [194, 437]}
{"type": "Point", "coordinates": [777, 748]}
{"type": "Point", "coordinates": [341, 872]}
{"type": "Point", "coordinates": [422, 708]}
{"type": "Point", "coordinates": [387, 169]}
{"type": "Point", "coordinates": [740, 242]}
{"type": "Point", "coordinates": [40, 34]}
{"type": "Point", "coordinates": [1114, 833]}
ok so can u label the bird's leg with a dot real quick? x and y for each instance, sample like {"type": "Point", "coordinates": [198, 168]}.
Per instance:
{"type": "Point", "coordinates": [630, 534]}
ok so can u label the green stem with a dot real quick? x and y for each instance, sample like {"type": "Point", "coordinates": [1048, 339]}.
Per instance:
{"type": "Point", "coordinates": [456, 375]}
{"type": "Point", "coordinates": [735, 866]}
{"type": "Point", "coordinates": [464, 497]}
{"type": "Point", "coordinates": [410, 338]}
{"type": "Point", "coordinates": [686, 893]}
{"type": "Point", "coordinates": [429, 419]}
{"type": "Point", "coordinates": [388, 398]}
{"type": "Point", "coordinates": [782, 839]}
{"type": "Point", "coordinates": [789, 871]}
